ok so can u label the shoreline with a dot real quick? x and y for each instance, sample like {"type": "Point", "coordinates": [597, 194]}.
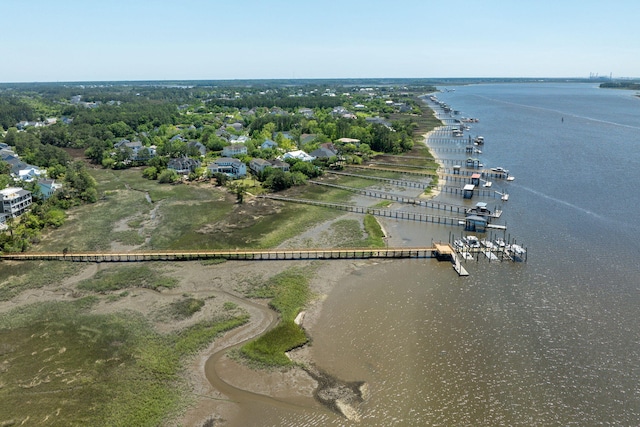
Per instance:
{"type": "Point", "coordinates": [275, 385]}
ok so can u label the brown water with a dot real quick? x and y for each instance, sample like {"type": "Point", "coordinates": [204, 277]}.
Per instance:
{"type": "Point", "coordinates": [554, 341]}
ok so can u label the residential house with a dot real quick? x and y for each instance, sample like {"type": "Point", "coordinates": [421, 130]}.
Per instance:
{"type": "Point", "coordinates": [348, 140]}
{"type": "Point", "coordinates": [241, 139]}
{"type": "Point", "coordinates": [325, 151]}
{"type": "Point", "coordinates": [306, 112]}
{"type": "Point", "coordinates": [228, 165]}
{"type": "Point", "coordinates": [258, 165]}
{"type": "Point", "coordinates": [339, 111]}
{"type": "Point", "coordinates": [197, 145]}
{"type": "Point", "coordinates": [285, 134]}
{"type": "Point", "coordinates": [138, 151]}
{"type": "Point", "coordinates": [279, 164]}
{"type": "Point", "coordinates": [183, 165]}
{"type": "Point", "coordinates": [298, 154]}
{"type": "Point", "coordinates": [234, 150]}
{"type": "Point", "coordinates": [237, 126]}
{"type": "Point", "coordinates": [29, 173]}
{"type": "Point", "coordinates": [48, 187]}
{"type": "Point", "coordinates": [20, 170]}
{"type": "Point", "coordinates": [268, 143]}
{"type": "Point", "coordinates": [15, 201]}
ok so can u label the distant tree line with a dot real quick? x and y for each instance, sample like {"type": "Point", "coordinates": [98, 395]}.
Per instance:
{"type": "Point", "coordinates": [14, 110]}
{"type": "Point", "coordinates": [621, 85]}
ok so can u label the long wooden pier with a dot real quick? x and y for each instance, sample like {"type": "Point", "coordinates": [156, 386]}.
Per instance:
{"type": "Point", "coordinates": [388, 213]}
{"type": "Point", "coordinates": [398, 182]}
{"type": "Point", "coordinates": [440, 251]}
{"type": "Point", "coordinates": [427, 203]}
{"type": "Point", "coordinates": [232, 255]}
{"type": "Point", "coordinates": [398, 171]}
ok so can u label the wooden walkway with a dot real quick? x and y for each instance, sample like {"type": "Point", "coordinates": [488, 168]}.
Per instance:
{"type": "Point", "coordinates": [398, 182]}
{"type": "Point", "coordinates": [396, 214]}
{"type": "Point", "coordinates": [430, 203]}
{"type": "Point", "coordinates": [399, 171]}
{"type": "Point", "coordinates": [440, 251]}
{"type": "Point", "coordinates": [231, 255]}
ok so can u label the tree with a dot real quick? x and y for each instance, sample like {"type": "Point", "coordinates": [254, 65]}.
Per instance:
{"type": "Point", "coordinates": [167, 176]}
{"type": "Point", "coordinates": [239, 190]}
{"type": "Point", "coordinates": [221, 179]}
{"type": "Point", "coordinates": [82, 184]}
{"type": "Point", "coordinates": [150, 173]}
{"type": "Point", "coordinates": [278, 180]}
{"type": "Point", "coordinates": [120, 129]}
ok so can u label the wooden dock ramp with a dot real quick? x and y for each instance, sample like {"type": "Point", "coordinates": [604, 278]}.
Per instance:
{"type": "Point", "coordinates": [446, 251]}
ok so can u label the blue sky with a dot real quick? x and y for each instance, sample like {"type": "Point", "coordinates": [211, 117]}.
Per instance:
{"type": "Point", "coordinates": [72, 40]}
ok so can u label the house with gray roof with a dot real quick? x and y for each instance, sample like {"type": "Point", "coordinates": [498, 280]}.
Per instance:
{"type": "Point", "coordinates": [228, 165]}
{"type": "Point", "coordinates": [234, 150]}
{"type": "Point", "coordinates": [325, 151]}
{"type": "Point", "coordinates": [198, 146]}
{"type": "Point", "coordinates": [258, 165]}
{"type": "Point", "coordinates": [183, 165]}
{"type": "Point", "coordinates": [48, 187]}
{"type": "Point", "coordinates": [269, 143]}
{"type": "Point", "coordinates": [15, 201]}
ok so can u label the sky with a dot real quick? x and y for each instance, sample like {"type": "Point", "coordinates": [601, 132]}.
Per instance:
{"type": "Point", "coordinates": [115, 40]}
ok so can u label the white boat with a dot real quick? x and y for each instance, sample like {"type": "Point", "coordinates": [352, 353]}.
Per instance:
{"type": "Point", "coordinates": [516, 251]}
{"type": "Point", "coordinates": [505, 197]}
{"type": "Point", "coordinates": [488, 244]}
{"type": "Point", "coordinates": [511, 178]}
{"type": "Point", "coordinates": [499, 170]}
{"type": "Point", "coordinates": [487, 184]}
{"type": "Point", "coordinates": [472, 241]}
{"type": "Point", "coordinates": [467, 256]}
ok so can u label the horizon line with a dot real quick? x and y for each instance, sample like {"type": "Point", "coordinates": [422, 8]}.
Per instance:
{"type": "Point", "coordinates": [590, 78]}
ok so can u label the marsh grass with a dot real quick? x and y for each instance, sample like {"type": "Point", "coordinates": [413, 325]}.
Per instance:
{"type": "Point", "coordinates": [74, 368]}
{"type": "Point", "coordinates": [289, 293]}
{"type": "Point", "coordinates": [128, 237]}
{"type": "Point", "coordinates": [125, 277]}
{"type": "Point", "coordinates": [185, 308]}
{"type": "Point", "coordinates": [375, 235]}
{"type": "Point", "coordinates": [20, 276]}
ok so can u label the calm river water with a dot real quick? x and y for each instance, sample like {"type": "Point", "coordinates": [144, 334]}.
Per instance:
{"type": "Point", "coordinates": [553, 341]}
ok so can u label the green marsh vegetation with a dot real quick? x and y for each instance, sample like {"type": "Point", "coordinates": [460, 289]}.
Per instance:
{"type": "Point", "coordinates": [76, 368]}
{"type": "Point", "coordinates": [147, 275]}
{"type": "Point", "coordinates": [289, 293]}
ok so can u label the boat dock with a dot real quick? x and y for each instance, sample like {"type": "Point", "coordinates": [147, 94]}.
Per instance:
{"type": "Point", "coordinates": [447, 251]}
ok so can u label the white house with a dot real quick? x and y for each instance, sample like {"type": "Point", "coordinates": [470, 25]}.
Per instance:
{"type": "Point", "coordinates": [298, 154]}
{"type": "Point", "coordinates": [15, 201]}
